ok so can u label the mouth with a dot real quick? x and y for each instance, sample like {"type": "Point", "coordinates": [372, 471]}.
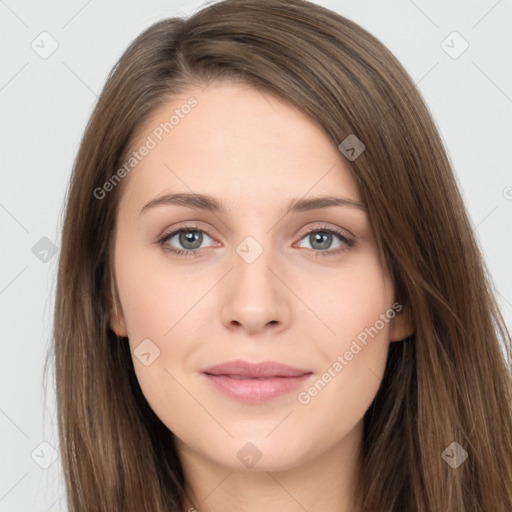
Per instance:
{"type": "Point", "coordinates": [255, 383]}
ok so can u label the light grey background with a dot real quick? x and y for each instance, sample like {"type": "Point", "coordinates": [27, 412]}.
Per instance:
{"type": "Point", "coordinates": [45, 104]}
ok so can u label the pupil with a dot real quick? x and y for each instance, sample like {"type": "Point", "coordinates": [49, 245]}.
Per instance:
{"type": "Point", "coordinates": [317, 240]}
{"type": "Point", "coordinates": [191, 237]}
{"type": "Point", "coordinates": [324, 240]}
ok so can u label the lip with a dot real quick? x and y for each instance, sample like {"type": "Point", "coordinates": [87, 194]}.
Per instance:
{"type": "Point", "coordinates": [255, 383]}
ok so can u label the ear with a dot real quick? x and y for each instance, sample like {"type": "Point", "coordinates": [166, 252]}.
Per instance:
{"type": "Point", "coordinates": [116, 317]}
{"type": "Point", "coordinates": [117, 322]}
{"type": "Point", "coordinates": [401, 325]}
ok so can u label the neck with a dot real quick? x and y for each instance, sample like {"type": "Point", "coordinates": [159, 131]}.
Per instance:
{"type": "Point", "coordinates": [326, 483]}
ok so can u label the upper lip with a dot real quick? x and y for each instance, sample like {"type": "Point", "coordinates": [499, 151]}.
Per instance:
{"type": "Point", "coordinates": [246, 369]}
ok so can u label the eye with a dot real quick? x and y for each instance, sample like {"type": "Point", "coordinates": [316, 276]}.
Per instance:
{"type": "Point", "coordinates": [320, 240]}
{"type": "Point", "coordinates": [188, 237]}
{"type": "Point", "coordinates": [190, 241]}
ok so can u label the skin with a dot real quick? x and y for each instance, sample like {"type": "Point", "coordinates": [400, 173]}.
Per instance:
{"type": "Point", "coordinates": [255, 153]}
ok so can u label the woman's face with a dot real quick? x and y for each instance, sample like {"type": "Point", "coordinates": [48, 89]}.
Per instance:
{"type": "Point", "coordinates": [262, 282]}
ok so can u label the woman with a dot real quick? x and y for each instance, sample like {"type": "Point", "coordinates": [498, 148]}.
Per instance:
{"type": "Point", "coordinates": [255, 367]}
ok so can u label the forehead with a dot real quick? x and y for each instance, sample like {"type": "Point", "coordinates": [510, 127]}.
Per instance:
{"type": "Point", "coordinates": [238, 143]}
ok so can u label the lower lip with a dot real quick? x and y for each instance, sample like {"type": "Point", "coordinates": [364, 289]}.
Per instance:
{"type": "Point", "coordinates": [256, 390]}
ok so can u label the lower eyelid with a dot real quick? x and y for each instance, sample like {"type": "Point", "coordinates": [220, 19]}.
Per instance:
{"type": "Point", "coordinates": [347, 241]}
{"type": "Point", "coordinates": [345, 245]}
{"type": "Point", "coordinates": [166, 237]}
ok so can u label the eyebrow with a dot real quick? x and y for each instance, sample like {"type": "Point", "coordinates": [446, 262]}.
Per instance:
{"type": "Point", "coordinates": [210, 203]}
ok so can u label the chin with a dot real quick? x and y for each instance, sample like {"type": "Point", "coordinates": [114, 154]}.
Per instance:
{"type": "Point", "coordinates": [249, 455]}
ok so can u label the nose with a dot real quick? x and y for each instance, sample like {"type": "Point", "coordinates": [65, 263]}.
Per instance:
{"type": "Point", "coordinates": [255, 299]}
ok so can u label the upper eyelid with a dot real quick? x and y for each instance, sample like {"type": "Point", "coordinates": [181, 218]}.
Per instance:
{"type": "Point", "coordinates": [166, 235]}
{"type": "Point", "coordinates": [324, 226]}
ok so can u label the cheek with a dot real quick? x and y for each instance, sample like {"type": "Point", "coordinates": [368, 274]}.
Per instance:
{"type": "Point", "coordinates": [350, 301]}
{"type": "Point", "coordinates": [356, 307]}
{"type": "Point", "coordinates": [162, 309]}
{"type": "Point", "coordinates": [153, 293]}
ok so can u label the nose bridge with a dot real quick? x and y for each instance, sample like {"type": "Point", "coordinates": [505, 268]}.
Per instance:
{"type": "Point", "coordinates": [254, 297]}
{"type": "Point", "coordinates": [252, 264]}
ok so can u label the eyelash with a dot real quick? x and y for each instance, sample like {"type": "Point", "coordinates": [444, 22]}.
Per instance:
{"type": "Point", "coordinates": [197, 252]}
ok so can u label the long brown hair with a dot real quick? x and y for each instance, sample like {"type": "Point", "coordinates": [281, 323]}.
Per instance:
{"type": "Point", "coordinates": [448, 382]}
